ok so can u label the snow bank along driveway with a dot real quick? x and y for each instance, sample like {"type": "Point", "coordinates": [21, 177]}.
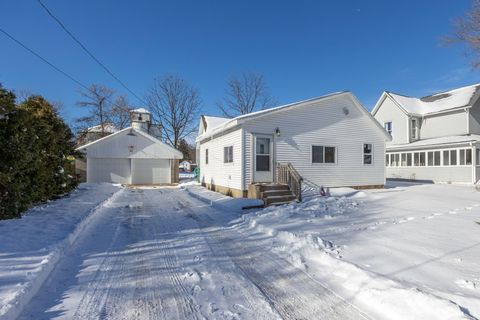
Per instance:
{"type": "Point", "coordinates": [30, 247]}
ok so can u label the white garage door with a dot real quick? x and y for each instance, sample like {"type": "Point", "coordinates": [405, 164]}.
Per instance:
{"type": "Point", "coordinates": [108, 170]}
{"type": "Point", "coordinates": [151, 171]}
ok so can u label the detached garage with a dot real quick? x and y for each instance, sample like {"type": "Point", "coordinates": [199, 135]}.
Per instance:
{"type": "Point", "coordinates": [131, 156]}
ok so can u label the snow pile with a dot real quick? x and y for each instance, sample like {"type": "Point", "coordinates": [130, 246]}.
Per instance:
{"type": "Point", "coordinates": [32, 245]}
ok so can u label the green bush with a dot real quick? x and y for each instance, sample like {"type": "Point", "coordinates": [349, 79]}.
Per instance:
{"type": "Point", "coordinates": [35, 145]}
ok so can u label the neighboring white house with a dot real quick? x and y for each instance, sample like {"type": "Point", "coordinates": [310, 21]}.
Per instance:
{"type": "Point", "coordinates": [330, 141]}
{"type": "Point", "coordinates": [131, 156]}
{"type": "Point", "coordinates": [435, 138]}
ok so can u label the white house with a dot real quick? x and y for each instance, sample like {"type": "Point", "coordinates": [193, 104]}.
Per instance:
{"type": "Point", "coordinates": [327, 141]}
{"type": "Point", "coordinates": [434, 138]}
{"type": "Point", "coordinates": [185, 166]}
{"type": "Point", "coordinates": [131, 156]}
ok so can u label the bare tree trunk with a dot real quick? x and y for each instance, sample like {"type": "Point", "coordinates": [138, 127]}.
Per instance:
{"type": "Point", "coordinates": [97, 100]}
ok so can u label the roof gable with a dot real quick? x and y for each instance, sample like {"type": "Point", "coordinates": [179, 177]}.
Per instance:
{"type": "Point", "coordinates": [230, 123]}
{"type": "Point", "coordinates": [118, 145]}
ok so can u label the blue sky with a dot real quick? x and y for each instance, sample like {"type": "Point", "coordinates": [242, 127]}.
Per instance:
{"type": "Point", "coordinates": [304, 49]}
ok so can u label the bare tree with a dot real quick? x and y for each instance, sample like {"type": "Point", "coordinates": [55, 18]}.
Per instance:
{"type": "Point", "coordinates": [244, 94]}
{"type": "Point", "coordinates": [467, 31]}
{"type": "Point", "coordinates": [120, 112]}
{"type": "Point", "coordinates": [98, 100]}
{"type": "Point", "coordinates": [175, 105]}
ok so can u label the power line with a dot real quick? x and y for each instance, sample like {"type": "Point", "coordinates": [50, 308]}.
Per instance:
{"type": "Point", "coordinates": [43, 59]}
{"type": "Point", "coordinates": [104, 67]}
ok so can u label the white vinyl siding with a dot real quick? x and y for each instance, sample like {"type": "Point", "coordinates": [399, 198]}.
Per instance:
{"type": "Point", "coordinates": [390, 112]}
{"type": "Point", "coordinates": [445, 124]}
{"type": "Point", "coordinates": [322, 123]}
{"type": "Point", "coordinates": [217, 172]}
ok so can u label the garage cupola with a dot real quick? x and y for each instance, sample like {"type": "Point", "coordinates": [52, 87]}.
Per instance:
{"type": "Point", "coordinates": [141, 119]}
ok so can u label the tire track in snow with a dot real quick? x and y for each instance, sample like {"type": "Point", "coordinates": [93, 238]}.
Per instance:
{"type": "Point", "coordinates": [290, 291]}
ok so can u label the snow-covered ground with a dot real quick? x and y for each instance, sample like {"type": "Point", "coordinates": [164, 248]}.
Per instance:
{"type": "Point", "coordinates": [406, 252]}
{"type": "Point", "coordinates": [30, 246]}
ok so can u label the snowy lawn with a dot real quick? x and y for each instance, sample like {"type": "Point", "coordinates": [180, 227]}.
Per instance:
{"type": "Point", "coordinates": [408, 251]}
{"type": "Point", "coordinates": [30, 246]}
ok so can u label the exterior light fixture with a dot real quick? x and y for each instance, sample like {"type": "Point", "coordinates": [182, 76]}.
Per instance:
{"type": "Point", "coordinates": [277, 132]}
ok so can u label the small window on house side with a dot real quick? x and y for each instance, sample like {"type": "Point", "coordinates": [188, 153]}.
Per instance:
{"type": "Point", "coordinates": [228, 154]}
{"type": "Point", "coordinates": [367, 153]}
{"type": "Point", "coordinates": [206, 156]}
{"type": "Point", "coordinates": [388, 127]}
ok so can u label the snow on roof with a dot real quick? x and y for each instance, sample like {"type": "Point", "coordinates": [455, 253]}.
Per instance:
{"type": "Point", "coordinates": [107, 127]}
{"type": "Point", "coordinates": [438, 102]}
{"type": "Point", "coordinates": [140, 110]}
{"type": "Point", "coordinates": [437, 141]}
{"type": "Point", "coordinates": [214, 122]}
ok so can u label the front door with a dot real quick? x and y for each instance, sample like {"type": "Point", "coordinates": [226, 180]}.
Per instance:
{"type": "Point", "coordinates": [263, 158]}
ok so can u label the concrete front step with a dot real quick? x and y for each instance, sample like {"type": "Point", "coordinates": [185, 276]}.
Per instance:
{"type": "Point", "coordinates": [277, 199]}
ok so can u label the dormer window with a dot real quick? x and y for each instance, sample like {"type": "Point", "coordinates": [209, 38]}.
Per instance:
{"type": "Point", "coordinates": [388, 127]}
{"type": "Point", "coordinates": [414, 129]}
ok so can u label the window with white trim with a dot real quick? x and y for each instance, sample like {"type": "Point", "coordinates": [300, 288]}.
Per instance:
{"type": "Point", "coordinates": [323, 154]}
{"type": "Point", "coordinates": [453, 157]}
{"type": "Point", "coordinates": [387, 160]}
{"type": "Point", "coordinates": [367, 153]}
{"type": "Point", "coordinates": [228, 154]}
{"type": "Point", "coordinates": [414, 128]}
{"type": "Point", "coordinates": [477, 153]}
{"type": "Point", "coordinates": [388, 127]}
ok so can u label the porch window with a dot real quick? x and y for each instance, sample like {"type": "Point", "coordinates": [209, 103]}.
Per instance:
{"type": "Point", "coordinates": [436, 158]}
{"type": "Point", "coordinates": [228, 154]}
{"type": "Point", "coordinates": [396, 159]}
{"type": "Point", "coordinates": [446, 158]}
{"type": "Point", "coordinates": [323, 154]}
{"type": "Point", "coordinates": [477, 153]}
{"type": "Point", "coordinates": [367, 153]}
{"type": "Point", "coordinates": [409, 159]}
{"type": "Point", "coordinates": [416, 159]}
{"type": "Point", "coordinates": [453, 157]}
{"type": "Point", "coordinates": [206, 156]}
{"type": "Point", "coordinates": [422, 159]}
{"type": "Point", "coordinates": [465, 157]}
{"type": "Point", "coordinates": [430, 158]}
{"type": "Point", "coordinates": [387, 160]}
{"type": "Point", "coordinates": [404, 160]}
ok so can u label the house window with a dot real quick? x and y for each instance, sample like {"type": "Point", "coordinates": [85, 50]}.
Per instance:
{"type": "Point", "coordinates": [477, 153]}
{"type": "Point", "coordinates": [468, 157]}
{"type": "Point", "coordinates": [436, 158]}
{"type": "Point", "coordinates": [409, 159]}
{"type": "Point", "coordinates": [414, 129]}
{"type": "Point", "coordinates": [388, 127]}
{"type": "Point", "coordinates": [430, 158]}
{"type": "Point", "coordinates": [416, 159]}
{"type": "Point", "coordinates": [228, 154]}
{"type": "Point", "coordinates": [206, 156]}
{"type": "Point", "coordinates": [387, 160]}
{"type": "Point", "coordinates": [446, 158]}
{"type": "Point", "coordinates": [403, 159]}
{"type": "Point", "coordinates": [396, 159]}
{"type": "Point", "coordinates": [422, 159]}
{"type": "Point", "coordinates": [322, 154]}
{"type": "Point", "coordinates": [453, 157]}
{"type": "Point", "coordinates": [462, 157]}
{"type": "Point", "coordinates": [367, 153]}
